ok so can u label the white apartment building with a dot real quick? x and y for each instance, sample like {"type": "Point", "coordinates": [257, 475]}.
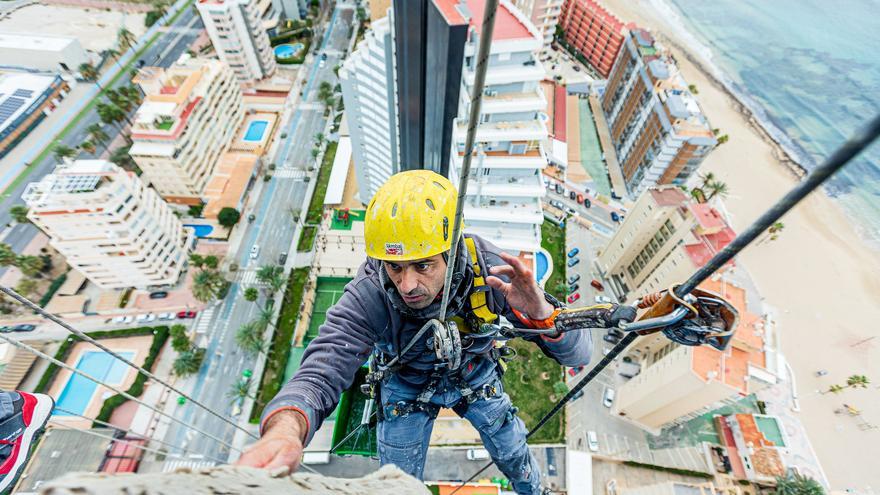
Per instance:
{"type": "Point", "coordinates": [109, 225]}
{"type": "Point", "coordinates": [367, 79]}
{"type": "Point", "coordinates": [504, 193]}
{"type": "Point", "coordinates": [187, 120]}
{"type": "Point", "coordinates": [544, 14]}
{"type": "Point", "coordinates": [238, 32]}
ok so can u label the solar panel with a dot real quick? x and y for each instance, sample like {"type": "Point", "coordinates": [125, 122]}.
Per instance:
{"type": "Point", "coordinates": [9, 107]}
{"type": "Point", "coordinates": [24, 93]}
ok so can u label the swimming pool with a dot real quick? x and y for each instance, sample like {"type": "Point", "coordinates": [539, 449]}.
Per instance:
{"type": "Point", "coordinates": [543, 266]}
{"type": "Point", "coordinates": [78, 391]}
{"type": "Point", "coordinates": [287, 51]}
{"type": "Point", "coordinates": [255, 131]}
{"type": "Point", "coordinates": [201, 230]}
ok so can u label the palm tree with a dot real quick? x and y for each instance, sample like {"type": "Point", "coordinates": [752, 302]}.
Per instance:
{"type": "Point", "coordinates": [249, 338]}
{"type": "Point", "coordinates": [30, 265]}
{"type": "Point", "coordinates": [251, 294]}
{"type": "Point", "coordinates": [706, 178]}
{"type": "Point", "coordinates": [97, 134]}
{"type": "Point", "coordinates": [26, 286]}
{"type": "Point", "coordinates": [62, 151]}
{"type": "Point", "coordinates": [206, 285]}
{"type": "Point", "coordinates": [19, 213]}
{"type": "Point", "coordinates": [109, 114]}
{"type": "Point", "coordinates": [798, 484]}
{"type": "Point", "coordinates": [264, 318]}
{"type": "Point", "coordinates": [196, 260]}
{"type": "Point", "coordinates": [835, 389]}
{"type": "Point", "coordinates": [121, 157]}
{"type": "Point", "coordinates": [189, 362]}
{"type": "Point", "coordinates": [118, 99]}
{"type": "Point", "coordinates": [266, 273]}
{"type": "Point", "coordinates": [7, 255]}
{"type": "Point", "coordinates": [319, 137]}
{"type": "Point", "coordinates": [857, 381]}
{"type": "Point", "coordinates": [88, 71]}
{"type": "Point", "coordinates": [776, 228]}
{"type": "Point", "coordinates": [88, 147]}
{"type": "Point", "coordinates": [132, 93]}
{"type": "Point", "coordinates": [211, 261]}
{"type": "Point", "coordinates": [717, 188]}
{"type": "Point", "coordinates": [126, 38]}
{"type": "Point", "coordinates": [240, 390]}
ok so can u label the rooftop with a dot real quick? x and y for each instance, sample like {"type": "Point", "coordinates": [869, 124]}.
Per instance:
{"type": "Point", "coordinates": [64, 451]}
{"type": "Point", "coordinates": [508, 25]}
{"type": "Point", "coordinates": [708, 218]}
{"type": "Point", "coordinates": [229, 182]}
{"type": "Point", "coordinates": [667, 196]}
{"type": "Point", "coordinates": [21, 41]}
{"type": "Point", "coordinates": [18, 92]}
{"type": "Point", "coordinates": [701, 252]}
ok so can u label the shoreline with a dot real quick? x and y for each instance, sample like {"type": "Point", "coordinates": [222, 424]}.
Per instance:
{"type": "Point", "coordinates": [820, 279]}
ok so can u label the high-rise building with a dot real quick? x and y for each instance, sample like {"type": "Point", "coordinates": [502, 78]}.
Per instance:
{"type": "Point", "coordinates": [663, 240]}
{"type": "Point", "coordinates": [109, 225]}
{"type": "Point", "coordinates": [593, 32]}
{"type": "Point", "coordinates": [505, 189]}
{"type": "Point", "coordinates": [544, 14]}
{"type": "Point", "coordinates": [367, 80]}
{"type": "Point", "coordinates": [187, 120]}
{"type": "Point", "coordinates": [239, 37]}
{"type": "Point", "coordinates": [659, 132]}
{"type": "Point", "coordinates": [677, 383]}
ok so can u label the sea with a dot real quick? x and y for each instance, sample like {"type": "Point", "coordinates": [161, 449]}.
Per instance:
{"type": "Point", "coordinates": [809, 70]}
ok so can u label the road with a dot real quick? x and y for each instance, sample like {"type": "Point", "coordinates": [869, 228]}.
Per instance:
{"type": "Point", "coordinates": [272, 230]}
{"type": "Point", "coordinates": [173, 42]}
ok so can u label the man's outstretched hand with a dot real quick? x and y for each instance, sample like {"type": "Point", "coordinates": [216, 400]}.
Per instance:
{"type": "Point", "coordinates": [280, 446]}
{"type": "Point", "coordinates": [522, 292]}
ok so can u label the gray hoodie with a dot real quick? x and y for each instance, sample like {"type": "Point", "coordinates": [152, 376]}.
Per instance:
{"type": "Point", "coordinates": [370, 314]}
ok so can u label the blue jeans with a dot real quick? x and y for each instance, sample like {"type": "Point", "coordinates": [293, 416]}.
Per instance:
{"type": "Point", "coordinates": [403, 439]}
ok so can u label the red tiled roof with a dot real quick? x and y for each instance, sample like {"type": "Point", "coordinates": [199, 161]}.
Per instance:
{"type": "Point", "coordinates": [507, 26]}
{"type": "Point", "coordinates": [668, 196]}
{"type": "Point", "coordinates": [701, 252]}
{"type": "Point", "coordinates": [559, 95]}
{"type": "Point", "coordinates": [450, 13]}
{"type": "Point", "coordinates": [707, 217]}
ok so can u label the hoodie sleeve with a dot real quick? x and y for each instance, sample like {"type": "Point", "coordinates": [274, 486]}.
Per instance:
{"type": "Point", "coordinates": [330, 362]}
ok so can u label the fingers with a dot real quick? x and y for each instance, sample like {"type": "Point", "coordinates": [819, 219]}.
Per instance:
{"type": "Point", "coordinates": [289, 460]}
{"type": "Point", "coordinates": [272, 453]}
{"type": "Point", "coordinates": [515, 262]}
{"type": "Point", "coordinates": [503, 270]}
{"type": "Point", "coordinates": [497, 283]}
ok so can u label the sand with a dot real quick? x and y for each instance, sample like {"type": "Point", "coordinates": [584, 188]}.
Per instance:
{"type": "Point", "coordinates": [819, 278]}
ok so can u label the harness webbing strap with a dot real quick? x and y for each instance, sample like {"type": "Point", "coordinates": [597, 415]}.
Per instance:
{"type": "Point", "coordinates": [479, 305]}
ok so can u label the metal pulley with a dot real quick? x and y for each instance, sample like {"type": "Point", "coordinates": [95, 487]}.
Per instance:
{"type": "Point", "coordinates": [446, 341]}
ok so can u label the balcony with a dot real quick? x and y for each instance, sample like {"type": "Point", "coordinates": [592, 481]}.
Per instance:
{"type": "Point", "coordinates": [494, 102]}
{"type": "Point", "coordinates": [504, 74]}
{"type": "Point", "coordinates": [528, 130]}
{"type": "Point", "coordinates": [506, 236]}
{"type": "Point", "coordinates": [532, 159]}
{"type": "Point", "coordinates": [504, 210]}
{"type": "Point", "coordinates": [507, 185]}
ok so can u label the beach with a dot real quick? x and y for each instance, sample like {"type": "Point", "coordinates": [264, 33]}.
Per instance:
{"type": "Point", "coordinates": [820, 280]}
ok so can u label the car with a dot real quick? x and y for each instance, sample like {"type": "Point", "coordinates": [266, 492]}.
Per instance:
{"type": "Point", "coordinates": [574, 371]}
{"type": "Point", "coordinates": [574, 252]}
{"type": "Point", "coordinates": [603, 299]}
{"type": "Point", "coordinates": [573, 288]}
{"type": "Point", "coordinates": [145, 318]}
{"type": "Point", "coordinates": [611, 339]}
{"type": "Point", "coordinates": [186, 314]}
{"type": "Point", "coordinates": [580, 199]}
{"type": "Point", "coordinates": [282, 258]}
{"type": "Point", "coordinates": [5, 329]}
{"type": "Point", "coordinates": [550, 456]}
{"type": "Point", "coordinates": [587, 203]}
{"type": "Point", "coordinates": [572, 195]}
{"type": "Point", "coordinates": [559, 189]}
{"type": "Point", "coordinates": [556, 204]}
{"type": "Point", "coordinates": [574, 278]}
{"type": "Point", "coordinates": [159, 294]}
{"type": "Point", "coordinates": [251, 218]}
{"type": "Point", "coordinates": [616, 196]}
{"type": "Point", "coordinates": [593, 441]}
{"type": "Point", "coordinates": [166, 316]}
{"type": "Point", "coordinates": [119, 319]}
{"type": "Point", "coordinates": [608, 398]}
{"type": "Point", "coordinates": [615, 217]}
{"type": "Point", "coordinates": [323, 56]}
{"type": "Point", "coordinates": [574, 297]}
{"type": "Point", "coordinates": [570, 210]}
{"type": "Point", "coordinates": [477, 454]}
{"type": "Point", "coordinates": [24, 327]}
{"type": "Point", "coordinates": [597, 285]}
{"type": "Point", "coordinates": [255, 251]}
{"type": "Point", "coordinates": [573, 261]}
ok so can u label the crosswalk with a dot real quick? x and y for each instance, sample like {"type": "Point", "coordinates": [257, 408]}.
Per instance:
{"type": "Point", "coordinates": [290, 173]}
{"type": "Point", "coordinates": [204, 322]}
{"type": "Point", "coordinates": [248, 278]}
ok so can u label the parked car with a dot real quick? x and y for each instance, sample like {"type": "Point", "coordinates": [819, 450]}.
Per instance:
{"type": "Point", "coordinates": [477, 454]}
{"type": "Point", "coordinates": [5, 329]}
{"type": "Point", "coordinates": [580, 199]}
{"type": "Point", "coordinates": [573, 261]}
{"type": "Point", "coordinates": [24, 327]}
{"type": "Point", "coordinates": [587, 203]}
{"type": "Point", "coordinates": [559, 189]}
{"type": "Point", "coordinates": [573, 288]}
{"type": "Point", "coordinates": [574, 278]}
{"type": "Point", "coordinates": [127, 319]}
{"type": "Point", "coordinates": [597, 285]}
{"type": "Point", "coordinates": [593, 441]}
{"type": "Point", "coordinates": [615, 196]}
{"type": "Point", "coordinates": [282, 259]}
{"type": "Point", "coordinates": [556, 204]}
{"type": "Point", "coordinates": [255, 251]}
{"type": "Point", "coordinates": [576, 68]}
{"type": "Point", "coordinates": [611, 339]}
{"type": "Point", "coordinates": [574, 252]}
{"type": "Point", "coordinates": [570, 210]}
{"type": "Point", "coordinates": [608, 398]}
{"type": "Point", "coordinates": [574, 371]}
{"type": "Point", "coordinates": [603, 299]}
{"type": "Point", "coordinates": [119, 320]}
{"type": "Point", "coordinates": [159, 294]}
{"type": "Point", "coordinates": [166, 316]}
{"type": "Point", "coordinates": [323, 56]}
{"type": "Point", "coordinates": [186, 314]}
{"type": "Point", "coordinates": [615, 217]}
{"type": "Point", "coordinates": [145, 318]}
{"type": "Point", "coordinates": [550, 455]}
{"type": "Point", "coordinates": [572, 195]}
{"type": "Point", "coordinates": [574, 297]}
{"type": "Point", "coordinates": [251, 218]}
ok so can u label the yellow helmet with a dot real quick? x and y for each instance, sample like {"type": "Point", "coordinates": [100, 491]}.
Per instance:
{"type": "Point", "coordinates": [411, 217]}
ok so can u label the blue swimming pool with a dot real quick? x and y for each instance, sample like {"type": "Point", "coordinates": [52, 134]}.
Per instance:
{"type": "Point", "coordinates": [255, 131]}
{"type": "Point", "coordinates": [78, 391]}
{"type": "Point", "coordinates": [288, 50]}
{"type": "Point", "coordinates": [201, 230]}
{"type": "Point", "coordinates": [543, 266]}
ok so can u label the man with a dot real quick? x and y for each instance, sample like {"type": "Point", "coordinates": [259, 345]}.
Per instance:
{"type": "Point", "coordinates": [396, 292]}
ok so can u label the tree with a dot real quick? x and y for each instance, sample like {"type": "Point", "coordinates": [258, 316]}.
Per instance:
{"type": "Point", "coordinates": [207, 285]}
{"type": "Point", "coordinates": [88, 147]}
{"type": "Point", "coordinates": [110, 114]}
{"type": "Point", "coordinates": [189, 362]}
{"type": "Point", "coordinates": [315, 152]}
{"type": "Point", "coordinates": [181, 343]}
{"type": "Point", "coordinates": [7, 255]}
{"type": "Point", "coordinates": [251, 294]}
{"type": "Point", "coordinates": [706, 179]}
{"type": "Point", "coordinates": [132, 93]}
{"type": "Point", "coordinates": [693, 89]}
{"type": "Point", "coordinates": [240, 390]}
{"type": "Point", "coordinates": [717, 188]}
{"type": "Point", "coordinates": [249, 338]}
{"type": "Point", "coordinates": [26, 286]}
{"type": "Point", "coordinates": [120, 157]}
{"type": "Point", "coordinates": [196, 260]}
{"type": "Point", "coordinates": [776, 228]}
{"type": "Point", "coordinates": [271, 275]}
{"type": "Point", "coordinates": [723, 138]}
{"type": "Point", "coordinates": [857, 381]}
{"type": "Point", "coordinates": [835, 389]}
{"type": "Point", "coordinates": [798, 484]}
{"type": "Point", "coordinates": [264, 318]}
{"type": "Point", "coordinates": [88, 71]}
{"type": "Point", "coordinates": [228, 217]}
{"type": "Point", "coordinates": [319, 137]}
{"type": "Point", "coordinates": [97, 135]}
{"type": "Point", "coordinates": [176, 330]}
{"type": "Point", "coordinates": [211, 261]}
{"type": "Point", "coordinates": [19, 213]}
{"type": "Point", "coordinates": [30, 265]}
{"type": "Point", "coordinates": [125, 37]}
{"type": "Point", "coordinates": [118, 99]}
{"type": "Point", "coordinates": [62, 151]}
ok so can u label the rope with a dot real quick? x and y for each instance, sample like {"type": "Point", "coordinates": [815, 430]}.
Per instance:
{"type": "Point", "coordinates": [109, 437]}
{"type": "Point", "coordinates": [473, 121]}
{"type": "Point", "coordinates": [54, 319]}
{"type": "Point", "coordinates": [128, 396]}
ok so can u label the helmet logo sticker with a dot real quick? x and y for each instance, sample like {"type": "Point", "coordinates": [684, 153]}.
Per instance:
{"type": "Point", "coordinates": [393, 249]}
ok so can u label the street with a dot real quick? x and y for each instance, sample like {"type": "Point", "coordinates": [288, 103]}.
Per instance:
{"type": "Point", "coordinates": [274, 231]}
